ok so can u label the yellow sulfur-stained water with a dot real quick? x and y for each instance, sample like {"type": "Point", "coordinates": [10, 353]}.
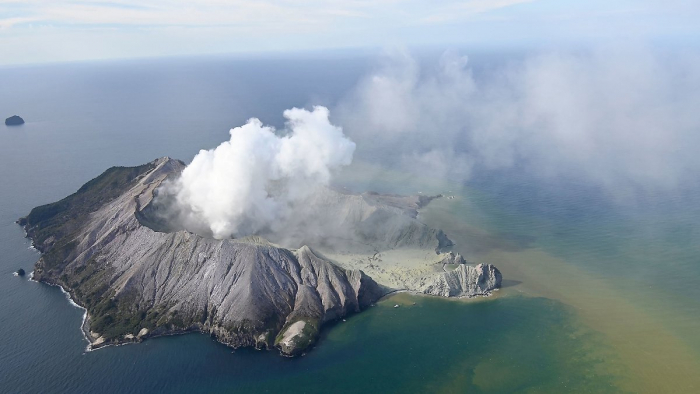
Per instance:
{"type": "Point", "coordinates": [649, 352]}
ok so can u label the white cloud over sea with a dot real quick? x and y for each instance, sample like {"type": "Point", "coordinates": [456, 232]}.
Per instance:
{"type": "Point", "coordinates": [622, 118]}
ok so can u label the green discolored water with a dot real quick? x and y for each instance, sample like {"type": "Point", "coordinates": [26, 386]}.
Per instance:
{"type": "Point", "coordinates": [507, 345]}
{"type": "Point", "coordinates": [630, 270]}
{"type": "Point", "coordinates": [630, 273]}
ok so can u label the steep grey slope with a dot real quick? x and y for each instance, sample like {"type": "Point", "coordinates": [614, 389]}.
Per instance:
{"type": "Point", "coordinates": [136, 282]}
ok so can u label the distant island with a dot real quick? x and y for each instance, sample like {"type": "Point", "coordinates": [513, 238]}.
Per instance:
{"type": "Point", "coordinates": [14, 121]}
{"type": "Point", "coordinates": [108, 247]}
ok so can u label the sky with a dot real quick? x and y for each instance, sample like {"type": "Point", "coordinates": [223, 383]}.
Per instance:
{"type": "Point", "coordinates": [44, 31]}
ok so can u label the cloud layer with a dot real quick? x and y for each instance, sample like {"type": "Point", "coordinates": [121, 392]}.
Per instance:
{"type": "Point", "coordinates": [619, 118]}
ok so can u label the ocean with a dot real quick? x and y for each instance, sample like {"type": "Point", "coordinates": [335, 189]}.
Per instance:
{"type": "Point", "coordinates": [599, 295]}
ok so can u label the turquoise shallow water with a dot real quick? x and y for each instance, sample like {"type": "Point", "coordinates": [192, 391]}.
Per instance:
{"type": "Point", "coordinates": [82, 119]}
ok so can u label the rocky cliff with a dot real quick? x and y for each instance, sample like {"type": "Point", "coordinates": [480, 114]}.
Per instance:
{"type": "Point", "coordinates": [463, 280]}
{"type": "Point", "coordinates": [460, 279]}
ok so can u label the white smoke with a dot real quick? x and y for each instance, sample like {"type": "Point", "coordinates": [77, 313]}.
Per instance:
{"type": "Point", "coordinates": [621, 118]}
{"type": "Point", "coordinates": [250, 183]}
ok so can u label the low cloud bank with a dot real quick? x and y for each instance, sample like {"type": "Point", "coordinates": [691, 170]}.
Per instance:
{"type": "Point", "coordinates": [622, 119]}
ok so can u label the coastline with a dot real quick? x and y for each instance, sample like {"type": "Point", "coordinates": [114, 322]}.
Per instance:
{"type": "Point", "coordinates": [408, 265]}
{"type": "Point", "coordinates": [72, 302]}
{"type": "Point", "coordinates": [491, 294]}
{"type": "Point", "coordinates": [85, 323]}
{"type": "Point", "coordinates": [68, 295]}
{"type": "Point", "coordinates": [93, 345]}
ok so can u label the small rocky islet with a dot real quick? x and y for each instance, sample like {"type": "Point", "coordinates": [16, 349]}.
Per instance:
{"type": "Point", "coordinates": [136, 280]}
{"type": "Point", "coordinates": [14, 120]}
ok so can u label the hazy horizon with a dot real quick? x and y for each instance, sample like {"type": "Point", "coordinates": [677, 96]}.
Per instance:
{"type": "Point", "coordinates": [44, 32]}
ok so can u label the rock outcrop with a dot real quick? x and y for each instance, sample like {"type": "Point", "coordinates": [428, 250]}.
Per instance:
{"type": "Point", "coordinates": [136, 282]}
{"type": "Point", "coordinates": [14, 121]}
{"type": "Point", "coordinates": [464, 280]}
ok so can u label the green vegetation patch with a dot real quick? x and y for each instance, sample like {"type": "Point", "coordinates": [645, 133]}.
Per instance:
{"type": "Point", "coordinates": [303, 341]}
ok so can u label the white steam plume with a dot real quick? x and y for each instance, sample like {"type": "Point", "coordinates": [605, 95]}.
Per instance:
{"type": "Point", "coordinates": [249, 183]}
